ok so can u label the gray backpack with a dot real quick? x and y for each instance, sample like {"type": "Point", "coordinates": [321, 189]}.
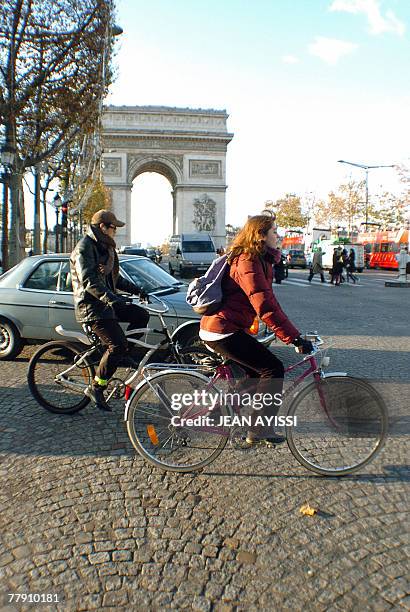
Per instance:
{"type": "Point", "coordinates": [205, 293]}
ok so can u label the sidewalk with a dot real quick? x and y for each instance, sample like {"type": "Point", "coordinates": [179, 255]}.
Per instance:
{"type": "Point", "coordinates": [86, 519]}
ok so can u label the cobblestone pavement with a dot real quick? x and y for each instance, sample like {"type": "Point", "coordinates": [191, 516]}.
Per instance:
{"type": "Point", "coordinates": [85, 519]}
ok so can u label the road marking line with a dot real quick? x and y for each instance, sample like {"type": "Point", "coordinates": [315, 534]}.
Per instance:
{"type": "Point", "coordinates": [303, 283]}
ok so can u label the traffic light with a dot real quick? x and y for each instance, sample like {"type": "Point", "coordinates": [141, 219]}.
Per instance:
{"type": "Point", "coordinates": [64, 211]}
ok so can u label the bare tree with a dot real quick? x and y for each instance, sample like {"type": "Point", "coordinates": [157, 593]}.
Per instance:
{"type": "Point", "coordinates": [54, 72]}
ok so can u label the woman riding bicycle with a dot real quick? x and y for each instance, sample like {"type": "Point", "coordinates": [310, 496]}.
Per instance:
{"type": "Point", "coordinates": [247, 291]}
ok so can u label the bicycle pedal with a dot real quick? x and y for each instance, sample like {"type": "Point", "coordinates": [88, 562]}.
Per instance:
{"type": "Point", "coordinates": [269, 444]}
{"type": "Point", "coordinates": [264, 443]}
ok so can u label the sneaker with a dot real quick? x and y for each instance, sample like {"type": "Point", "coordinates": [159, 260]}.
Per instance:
{"type": "Point", "coordinates": [253, 440]}
{"type": "Point", "coordinates": [96, 394]}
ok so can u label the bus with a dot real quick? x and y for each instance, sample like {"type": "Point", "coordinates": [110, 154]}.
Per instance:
{"type": "Point", "coordinates": [293, 239]}
{"type": "Point", "coordinates": [381, 248]}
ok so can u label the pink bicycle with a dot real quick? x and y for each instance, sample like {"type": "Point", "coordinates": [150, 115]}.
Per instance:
{"type": "Point", "coordinates": [334, 425]}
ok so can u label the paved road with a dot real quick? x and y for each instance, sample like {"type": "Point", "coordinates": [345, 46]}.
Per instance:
{"type": "Point", "coordinates": [86, 519]}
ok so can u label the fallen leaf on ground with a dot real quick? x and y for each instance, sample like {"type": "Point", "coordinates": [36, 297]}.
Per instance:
{"type": "Point", "coordinates": [308, 510]}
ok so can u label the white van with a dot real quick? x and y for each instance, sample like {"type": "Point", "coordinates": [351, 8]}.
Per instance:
{"type": "Point", "coordinates": [190, 254]}
{"type": "Point", "coordinates": [328, 247]}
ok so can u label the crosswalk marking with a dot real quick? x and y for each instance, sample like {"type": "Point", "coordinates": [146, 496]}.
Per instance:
{"type": "Point", "coordinates": [304, 283]}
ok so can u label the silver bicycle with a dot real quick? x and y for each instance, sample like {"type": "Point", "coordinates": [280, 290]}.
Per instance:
{"type": "Point", "coordinates": [60, 371]}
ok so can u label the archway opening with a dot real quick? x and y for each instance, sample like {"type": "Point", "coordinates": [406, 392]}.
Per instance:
{"type": "Point", "coordinates": [151, 209]}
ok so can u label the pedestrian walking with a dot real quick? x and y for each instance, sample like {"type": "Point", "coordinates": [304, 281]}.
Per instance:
{"type": "Point", "coordinates": [279, 270]}
{"type": "Point", "coordinates": [345, 263]}
{"type": "Point", "coordinates": [351, 267]}
{"type": "Point", "coordinates": [337, 267]}
{"type": "Point", "coordinates": [317, 267]}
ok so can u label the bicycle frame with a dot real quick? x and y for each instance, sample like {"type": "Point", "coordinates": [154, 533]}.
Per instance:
{"type": "Point", "coordinates": [152, 348]}
{"type": "Point", "coordinates": [224, 372]}
{"type": "Point", "coordinates": [168, 341]}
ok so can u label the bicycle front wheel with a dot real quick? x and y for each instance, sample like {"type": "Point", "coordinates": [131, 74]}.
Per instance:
{"type": "Point", "coordinates": [170, 446]}
{"type": "Point", "coordinates": [341, 425]}
{"type": "Point", "coordinates": [55, 381]}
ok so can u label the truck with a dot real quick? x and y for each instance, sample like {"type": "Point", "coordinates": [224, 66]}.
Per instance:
{"type": "Point", "coordinates": [190, 253]}
{"type": "Point", "coordinates": [328, 247]}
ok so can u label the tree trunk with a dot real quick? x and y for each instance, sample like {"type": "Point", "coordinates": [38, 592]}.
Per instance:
{"type": "Point", "coordinates": [36, 230]}
{"type": "Point", "coordinates": [5, 227]}
{"type": "Point", "coordinates": [45, 236]}
{"type": "Point", "coordinates": [17, 239]}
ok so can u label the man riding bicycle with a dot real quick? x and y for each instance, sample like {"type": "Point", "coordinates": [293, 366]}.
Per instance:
{"type": "Point", "coordinates": [95, 277]}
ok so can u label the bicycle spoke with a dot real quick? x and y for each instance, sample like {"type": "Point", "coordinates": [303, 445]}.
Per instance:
{"type": "Point", "coordinates": [341, 425]}
{"type": "Point", "coordinates": [173, 447]}
{"type": "Point", "coordinates": [55, 381]}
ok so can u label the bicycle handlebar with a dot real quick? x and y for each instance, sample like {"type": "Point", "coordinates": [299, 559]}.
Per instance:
{"type": "Point", "coordinates": [153, 310]}
{"type": "Point", "coordinates": [315, 339]}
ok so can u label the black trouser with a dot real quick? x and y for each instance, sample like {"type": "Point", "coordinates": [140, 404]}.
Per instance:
{"type": "Point", "coordinates": [258, 362]}
{"type": "Point", "coordinates": [113, 338]}
{"type": "Point", "coordinates": [351, 275]}
{"type": "Point", "coordinates": [311, 275]}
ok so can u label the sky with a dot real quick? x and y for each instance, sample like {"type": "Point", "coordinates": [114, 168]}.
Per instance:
{"type": "Point", "coordinates": [305, 83]}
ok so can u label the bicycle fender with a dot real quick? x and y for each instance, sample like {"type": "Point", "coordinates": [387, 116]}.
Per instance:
{"type": "Point", "coordinates": [183, 326]}
{"type": "Point", "coordinates": [330, 374]}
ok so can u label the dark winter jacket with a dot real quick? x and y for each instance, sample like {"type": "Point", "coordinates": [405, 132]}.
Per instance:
{"type": "Point", "coordinates": [337, 263]}
{"type": "Point", "coordinates": [352, 262]}
{"type": "Point", "coordinates": [94, 290]}
{"type": "Point", "coordinates": [279, 271]}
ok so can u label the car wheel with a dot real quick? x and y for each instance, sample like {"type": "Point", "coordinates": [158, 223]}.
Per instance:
{"type": "Point", "coordinates": [360, 270]}
{"type": "Point", "coordinates": [171, 270]}
{"type": "Point", "coordinates": [11, 343]}
{"type": "Point", "coordinates": [182, 272]}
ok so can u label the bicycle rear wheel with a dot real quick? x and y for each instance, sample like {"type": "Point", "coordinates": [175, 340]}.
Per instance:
{"type": "Point", "coordinates": [341, 425]}
{"type": "Point", "coordinates": [173, 447]}
{"type": "Point", "coordinates": [55, 381]}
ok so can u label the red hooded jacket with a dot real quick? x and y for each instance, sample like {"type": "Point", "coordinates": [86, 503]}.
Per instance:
{"type": "Point", "coordinates": [247, 291]}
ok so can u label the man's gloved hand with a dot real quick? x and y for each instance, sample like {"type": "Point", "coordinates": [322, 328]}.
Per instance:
{"type": "Point", "coordinates": [303, 346]}
{"type": "Point", "coordinates": [120, 300]}
{"type": "Point", "coordinates": [143, 295]}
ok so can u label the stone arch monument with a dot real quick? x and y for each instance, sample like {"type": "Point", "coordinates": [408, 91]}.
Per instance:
{"type": "Point", "coordinates": [187, 146]}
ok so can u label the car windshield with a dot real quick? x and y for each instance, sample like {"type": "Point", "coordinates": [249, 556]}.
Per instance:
{"type": "Point", "coordinates": [297, 253]}
{"type": "Point", "coordinates": [198, 246]}
{"type": "Point", "coordinates": [147, 274]}
{"type": "Point", "coordinates": [142, 252]}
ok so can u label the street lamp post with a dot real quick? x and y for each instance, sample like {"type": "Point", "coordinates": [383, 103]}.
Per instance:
{"type": "Point", "coordinates": [270, 209]}
{"type": "Point", "coordinates": [366, 168]}
{"type": "Point", "coordinates": [57, 203]}
{"type": "Point", "coordinates": [7, 158]}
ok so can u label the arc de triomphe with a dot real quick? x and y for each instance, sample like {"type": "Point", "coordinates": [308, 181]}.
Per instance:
{"type": "Point", "coordinates": [187, 146]}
